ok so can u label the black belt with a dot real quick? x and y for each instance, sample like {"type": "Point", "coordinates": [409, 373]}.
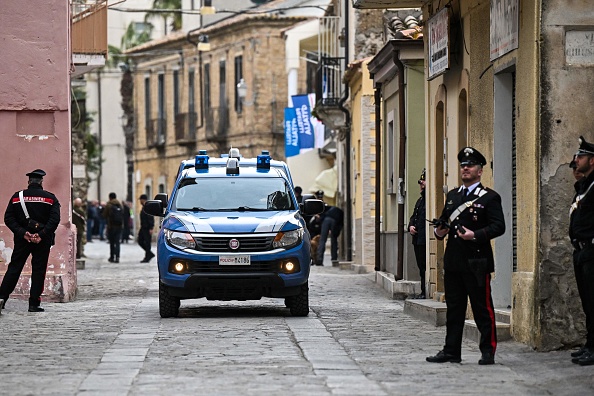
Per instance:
{"type": "Point", "coordinates": [579, 245]}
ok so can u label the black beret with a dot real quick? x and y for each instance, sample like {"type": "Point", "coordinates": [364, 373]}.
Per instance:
{"type": "Point", "coordinates": [143, 196]}
{"type": "Point", "coordinates": [471, 156]}
{"type": "Point", "coordinates": [37, 173]}
{"type": "Point", "coordinates": [585, 147]}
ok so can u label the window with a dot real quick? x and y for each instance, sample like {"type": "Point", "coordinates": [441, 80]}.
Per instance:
{"type": "Point", "coordinates": [175, 92]}
{"type": "Point", "coordinates": [222, 84]}
{"type": "Point", "coordinates": [191, 92]}
{"type": "Point", "coordinates": [311, 70]}
{"type": "Point", "coordinates": [238, 77]}
{"type": "Point", "coordinates": [161, 110]}
{"type": "Point", "coordinates": [161, 188]}
{"type": "Point", "coordinates": [207, 86]}
{"type": "Point", "coordinates": [147, 104]}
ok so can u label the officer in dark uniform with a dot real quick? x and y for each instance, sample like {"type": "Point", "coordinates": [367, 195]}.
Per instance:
{"type": "Point", "coordinates": [147, 223]}
{"type": "Point", "coordinates": [33, 236]}
{"type": "Point", "coordinates": [416, 227]}
{"type": "Point", "coordinates": [581, 234]}
{"type": "Point", "coordinates": [472, 216]}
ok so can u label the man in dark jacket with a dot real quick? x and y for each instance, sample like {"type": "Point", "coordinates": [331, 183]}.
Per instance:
{"type": "Point", "coordinates": [147, 223]}
{"type": "Point", "coordinates": [416, 227]}
{"type": "Point", "coordinates": [114, 217]}
{"type": "Point", "coordinates": [332, 222]}
{"type": "Point", "coordinates": [472, 216]}
{"type": "Point", "coordinates": [34, 228]}
{"type": "Point", "coordinates": [581, 234]}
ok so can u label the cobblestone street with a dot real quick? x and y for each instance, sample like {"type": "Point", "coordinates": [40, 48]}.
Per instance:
{"type": "Point", "coordinates": [355, 341]}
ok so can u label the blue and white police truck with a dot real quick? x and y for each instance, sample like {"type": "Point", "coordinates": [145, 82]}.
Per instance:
{"type": "Point", "coordinates": [233, 230]}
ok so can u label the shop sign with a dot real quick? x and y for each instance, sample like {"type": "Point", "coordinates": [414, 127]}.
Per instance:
{"type": "Point", "coordinates": [504, 27]}
{"type": "Point", "coordinates": [439, 43]}
{"type": "Point", "coordinates": [579, 47]}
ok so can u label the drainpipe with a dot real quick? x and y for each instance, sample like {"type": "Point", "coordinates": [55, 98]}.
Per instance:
{"type": "Point", "coordinates": [347, 115]}
{"type": "Point", "coordinates": [201, 82]}
{"type": "Point", "coordinates": [99, 137]}
{"type": "Point", "coordinates": [378, 173]}
{"type": "Point", "coordinates": [401, 164]}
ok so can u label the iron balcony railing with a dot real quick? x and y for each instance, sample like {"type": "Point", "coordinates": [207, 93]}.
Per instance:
{"type": "Point", "coordinates": [330, 62]}
{"type": "Point", "coordinates": [185, 128]}
{"type": "Point", "coordinates": [216, 123]}
{"type": "Point", "coordinates": [155, 135]}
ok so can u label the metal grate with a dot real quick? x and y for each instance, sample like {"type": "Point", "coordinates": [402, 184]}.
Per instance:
{"type": "Point", "coordinates": [514, 189]}
{"type": "Point", "coordinates": [214, 267]}
{"type": "Point", "coordinates": [246, 244]}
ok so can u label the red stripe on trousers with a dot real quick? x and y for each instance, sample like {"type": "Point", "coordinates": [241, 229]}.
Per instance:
{"type": "Point", "coordinates": [491, 312]}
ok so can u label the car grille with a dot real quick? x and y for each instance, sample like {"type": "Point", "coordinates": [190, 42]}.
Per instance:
{"type": "Point", "coordinates": [214, 267]}
{"type": "Point", "coordinates": [246, 244]}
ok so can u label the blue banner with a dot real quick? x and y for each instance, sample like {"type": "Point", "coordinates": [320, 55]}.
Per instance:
{"type": "Point", "coordinates": [291, 133]}
{"type": "Point", "coordinates": [306, 130]}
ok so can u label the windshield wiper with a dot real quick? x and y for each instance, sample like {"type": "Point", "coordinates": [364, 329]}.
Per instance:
{"type": "Point", "coordinates": [194, 209]}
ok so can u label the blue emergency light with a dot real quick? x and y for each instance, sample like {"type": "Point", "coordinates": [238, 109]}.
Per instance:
{"type": "Point", "coordinates": [201, 162]}
{"type": "Point", "coordinates": [263, 160]}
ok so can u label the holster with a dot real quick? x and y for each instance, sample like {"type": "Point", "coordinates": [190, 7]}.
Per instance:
{"type": "Point", "coordinates": [34, 226]}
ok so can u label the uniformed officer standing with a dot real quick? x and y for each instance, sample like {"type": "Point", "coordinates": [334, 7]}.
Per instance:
{"type": "Point", "coordinates": [145, 233]}
{"type": "Point", "coordinates": [416, 227]}
{"type": "Point", "coordinates": [33, 235]}
{"type": "Point", "coordinates": [581, 233]}
{"type": "Point", "coordinates": [472, 216]}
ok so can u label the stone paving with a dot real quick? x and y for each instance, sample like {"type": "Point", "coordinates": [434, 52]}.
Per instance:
{"type": "Point", "coordinates": [356, 341]}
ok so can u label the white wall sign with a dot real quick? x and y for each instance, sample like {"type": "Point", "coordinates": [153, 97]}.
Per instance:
{"type": "Point", "coordinates": [79, 171]}
{"type": "Point", "coordinates": [439, 43]}
{"type": "Point", "coordinates": [579, 47]}
{"type": "Point", "coordinates": [504, 27]}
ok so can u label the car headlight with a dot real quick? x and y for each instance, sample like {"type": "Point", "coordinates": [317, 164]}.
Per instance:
{"type": "Point", "coordinates": [288, 239]}
{"type": "Point", "coordinates": [180, 240]}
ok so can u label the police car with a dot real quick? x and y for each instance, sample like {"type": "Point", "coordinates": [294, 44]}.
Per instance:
{"type": "Point", "coordinates": [233, 232]}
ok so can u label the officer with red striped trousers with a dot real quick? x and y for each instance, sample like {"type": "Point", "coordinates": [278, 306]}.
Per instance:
{"type": "Point", "coordinates": [33, 215]}
{"type": "Point", "coordinates": [472, 216]}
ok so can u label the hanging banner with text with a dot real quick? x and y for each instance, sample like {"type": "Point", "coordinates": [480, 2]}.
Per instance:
{"type": "Point", "coordinates": [304, 124]}
{"type": "Point", "coordinates": [439, 43]}
{"type": "Point", "coordinates": [291, 133]}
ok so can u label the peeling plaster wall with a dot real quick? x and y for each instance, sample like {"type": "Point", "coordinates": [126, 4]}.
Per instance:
{"type": "Point", "coordinates": [35, 127]}
{"type": "Point", "coordinates": [566, 97]}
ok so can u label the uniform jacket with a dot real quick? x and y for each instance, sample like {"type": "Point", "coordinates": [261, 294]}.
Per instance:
{"type": "Point", "coordinates": [418, 220]}
{"type": "Point", "coordinates": [78, 219]}
{"type": "Point", "coordinates": [581, 222]}
{"type": "Point", "coordinates": [107, 212]}
{"type": "Point", "coordinates": [484, 217]}
{"type": "Point", "coordinates": [43, 206]}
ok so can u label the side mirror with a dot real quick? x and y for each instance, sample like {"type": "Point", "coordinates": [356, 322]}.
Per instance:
{"type": "Point", "coordinates": [154, 208]}
{"type": "Point", "coordinates": [163, 198]}
{"type": "Point", "coordinates": [312, 206]}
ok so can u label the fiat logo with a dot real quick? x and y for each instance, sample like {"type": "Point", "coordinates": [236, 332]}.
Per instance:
{"type": "Point", "coordinates": [234, 244]}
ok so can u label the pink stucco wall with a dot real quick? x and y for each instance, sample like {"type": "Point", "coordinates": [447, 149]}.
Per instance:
{"type": "Point", "coordinates": [35, 125]}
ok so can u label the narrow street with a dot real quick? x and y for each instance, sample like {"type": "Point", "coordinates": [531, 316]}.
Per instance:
{"type": "Point", "coordinates": [355, 341]}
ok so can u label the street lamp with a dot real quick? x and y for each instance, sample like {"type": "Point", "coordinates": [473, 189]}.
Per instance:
{"type": "Point", "coordinates": [242, 93]}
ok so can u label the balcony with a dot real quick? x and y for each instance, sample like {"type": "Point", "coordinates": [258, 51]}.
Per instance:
{"type": "Point", "coordinates": [89, 35]}
{"type": "Point", "coordinates": [365, 4]}
{"type": "Point", "coordinates": [156, 132]}
{"type": "Point", "coordinates": [185, 129]}
{"type": "Point", "coordinates": [217, 124]}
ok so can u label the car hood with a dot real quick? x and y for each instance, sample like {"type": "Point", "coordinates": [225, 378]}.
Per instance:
{"type": "Point", "coordinates": [233, 222]}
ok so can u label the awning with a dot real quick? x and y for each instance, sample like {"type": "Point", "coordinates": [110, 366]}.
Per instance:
{"type": "Point", "coordinates": [326, 181]}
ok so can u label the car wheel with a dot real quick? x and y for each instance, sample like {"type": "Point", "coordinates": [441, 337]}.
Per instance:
{"type": "Point", "coordinates": [299, 305]}
{"type": "Point", "coordinates": [168, 305]}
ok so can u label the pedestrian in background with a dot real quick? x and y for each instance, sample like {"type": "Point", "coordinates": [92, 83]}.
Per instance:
{"type": "Point", "coordinates": [298, 194]}
{"type": "Point", "coordinates": [79, 220]}
{"type": "Point", "coordinates": [101, 222]}
{"type": "Point", "coordinates": [471, 218]}
{"type": "Point", "coordinates": [33, 215]}
{"type": "Point", "coordinates": [416, 227]}
{"type": "Point", "coordinates": [332, 221]}
{"type": "Point", "coordinates": [581, 234]}
{"type": "Point", "coordinates": [114, 218]}
{"type": "Point", "coordinates": [126, 225]}
{"type": "Point", "coordinates": [145, 234]}
{"type": "Point", "coordinates": [92, 219]}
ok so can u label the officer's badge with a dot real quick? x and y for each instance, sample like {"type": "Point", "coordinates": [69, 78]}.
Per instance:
{"type": "Point", "coordinates": [450, 202]}
{"type": "Point", "coordinates": [468, 151]}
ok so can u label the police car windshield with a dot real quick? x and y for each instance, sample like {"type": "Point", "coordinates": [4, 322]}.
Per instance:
{"type": "Point", "coordinates": [233, 194]}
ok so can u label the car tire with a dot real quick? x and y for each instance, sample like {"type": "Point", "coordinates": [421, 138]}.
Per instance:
{"type": "Point", "coordinates": [168, 305]}
{"type": "Point", "coordinates": [299, 305]}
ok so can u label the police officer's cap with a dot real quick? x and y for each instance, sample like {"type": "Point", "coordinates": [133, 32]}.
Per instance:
{"type": "Point", "coordinates": [585, 147]}
{"type": "Point", "coordinates": [37, 173]}
{"type": "Point", "coordinates": [471, 156]}
{"type": "Point", "coordinates": [422, 177]}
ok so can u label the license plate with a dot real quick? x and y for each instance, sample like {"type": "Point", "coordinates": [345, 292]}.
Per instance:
{"type": "Point", "coordinates": [235, 260]}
